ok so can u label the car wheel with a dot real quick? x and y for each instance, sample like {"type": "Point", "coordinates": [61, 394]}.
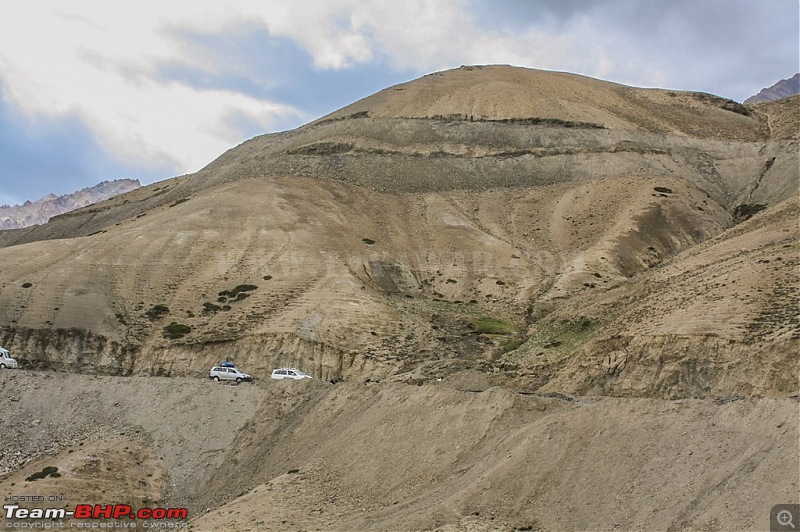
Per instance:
{"type": "Point", "coordinates": [238, 380]}
{"type": "Point", "coordinates": [215, 378]}
{"type": "Point", "coordinates": [2, 366]}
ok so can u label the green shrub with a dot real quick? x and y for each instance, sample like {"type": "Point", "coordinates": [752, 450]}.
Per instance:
{"type": "Point", "coordinates": [156, 312]}
{"type": "Point", "coordinates": [745, 211]}
{"type": "Point", "coordinates": [511, 344]}
{"type": "Point", "coordinates": [210, 307]}
{"type": "Point", "coordinates": [49, 471]}
{"type": "Point", "coordinates": [238, 293]}
{"type": "Point", "coordinates": [244, 288]}
{"type": "Point", "coordinates": [174, 330]}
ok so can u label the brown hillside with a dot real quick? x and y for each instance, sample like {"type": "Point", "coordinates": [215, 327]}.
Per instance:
{"type": "Point", "coordinates": [504, 93]}
{"type": "Point", "coordinates": [783, 117]}
{"type": "Point", "coordinates": [458, 219]}
{"type": "Point", "coordinates": [389, 456]}
{"type": "Point", "coordinates": [530, 300]}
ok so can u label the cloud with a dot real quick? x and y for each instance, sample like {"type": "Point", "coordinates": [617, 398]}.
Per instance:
{"type": "Point", "coordinates": [43, 155]}
{"type": "Point", "coordinates": [102, 68]}
{"type": "Point", "coordinates": [729, 47]}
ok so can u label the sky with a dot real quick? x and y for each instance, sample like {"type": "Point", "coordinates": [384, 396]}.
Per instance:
{"type": "Point", "coordinates": [94, 90]}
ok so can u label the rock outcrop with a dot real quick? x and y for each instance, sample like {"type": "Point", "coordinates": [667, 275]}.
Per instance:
{"type": "Point", "coordinates": [40, 211]}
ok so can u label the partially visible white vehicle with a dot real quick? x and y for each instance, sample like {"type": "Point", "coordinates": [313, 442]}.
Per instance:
{"type": "Point", "coordinates": [219, 373]}
{"type": "Point", "coordinates": [289, 373]}
{"type": "Point", "coordinates": [5, 360]}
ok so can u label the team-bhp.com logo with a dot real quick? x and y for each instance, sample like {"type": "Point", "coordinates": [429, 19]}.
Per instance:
{"type": "Point", "coordinates": [97, 511]}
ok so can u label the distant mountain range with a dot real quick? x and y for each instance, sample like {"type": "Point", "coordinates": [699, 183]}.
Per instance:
{"type": "Point", "coordinates": [783, 89]}
{"type": "Point", "coordinates": [40, 211]}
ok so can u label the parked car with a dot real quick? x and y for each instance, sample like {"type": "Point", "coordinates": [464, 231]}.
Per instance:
{"type": "Point", "coordinates": [289, 373]}
{"type": "Point", "coordinates": [219, 373]}
{"type": "Point", "coordinates": [5, 360]}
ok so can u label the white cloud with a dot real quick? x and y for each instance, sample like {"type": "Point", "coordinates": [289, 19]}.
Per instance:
{"type": "Point", "coordinates": [98, 60]}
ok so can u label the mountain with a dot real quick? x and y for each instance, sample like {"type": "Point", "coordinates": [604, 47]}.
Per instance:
{"type": "Point", "coordinates": [375, 240]}
{"type": "Point", "coordinates": [782, 89]}
{"type": "Point", "coordinates": [40, 211]}
{"type": "Point", "coordinates": [529, 300]}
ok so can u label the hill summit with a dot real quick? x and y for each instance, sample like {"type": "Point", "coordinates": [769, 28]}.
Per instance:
{"type": "Point", "coordinates": [514, 94]}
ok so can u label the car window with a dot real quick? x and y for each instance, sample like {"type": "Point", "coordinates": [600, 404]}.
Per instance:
{"type": "Point", "coordinates": [292, 373]}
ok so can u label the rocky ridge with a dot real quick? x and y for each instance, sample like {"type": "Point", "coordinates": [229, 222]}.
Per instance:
{"type": "Point", "coordinates": [40, 211]}
{"type": "Point", "coordinates": [782, 89]}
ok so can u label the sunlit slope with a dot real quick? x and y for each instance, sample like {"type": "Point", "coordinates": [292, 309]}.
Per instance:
{"type": "Point", "coordinates": [508, 220]}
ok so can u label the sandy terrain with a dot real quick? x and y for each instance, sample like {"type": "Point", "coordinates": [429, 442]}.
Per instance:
{"type": "Point", "coordinates": [315, 456]}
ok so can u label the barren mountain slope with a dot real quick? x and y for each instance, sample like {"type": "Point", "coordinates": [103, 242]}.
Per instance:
{"type": "Point", "coordinates": [783, 117]}
{"type": "Point", "coordinates": [555, 303]}
{"type": "Point", "coordinates": [386, 456]}
{"type": "Point", "coordinates": [504, 93]}
{"type": "Point", "coordinates": [349, 282]}
{"type": "Point", "coordinates": [536, 128]}
{"type": "Point", "coordinates": [489, 199]}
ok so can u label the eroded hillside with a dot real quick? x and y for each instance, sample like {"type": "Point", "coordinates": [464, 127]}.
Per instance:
{"type": "Point", "coordinates": [390, 456]}
{"type": "Point", "coordinates": [550, 229]}
{"type": "Point", "coordinates": [530, 301]}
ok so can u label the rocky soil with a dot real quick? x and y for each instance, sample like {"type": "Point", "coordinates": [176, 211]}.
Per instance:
{"type": "Point", "coordinates": [391, 456]}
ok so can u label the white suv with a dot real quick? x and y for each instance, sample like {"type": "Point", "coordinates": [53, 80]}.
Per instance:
{"type": "Point", "coordinates": [218, 373]}
{"type": "Point", "coordinates": [5, 360]}
{"type": "Point", "coordinates": [289, 373]}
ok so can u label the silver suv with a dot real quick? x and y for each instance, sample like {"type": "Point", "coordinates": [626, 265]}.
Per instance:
{"type": "Point", "coordinates": [289, 373]}
{"type": "Point", "coordinates": [5, 360]}
{"type": "Point", "coordinates": [219, 373]}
